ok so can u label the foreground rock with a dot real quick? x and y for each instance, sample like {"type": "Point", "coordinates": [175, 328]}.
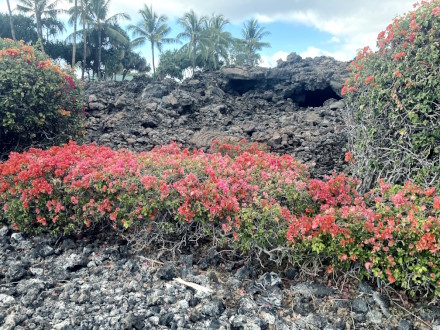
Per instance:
{"type": "Point", "coordinates": [96, 283]}
{"type": "Point", "coordinates": [295, 108]}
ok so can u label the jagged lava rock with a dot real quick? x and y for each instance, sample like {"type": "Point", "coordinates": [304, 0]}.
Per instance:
{"type": "Point", "coordinates": [295, 108]}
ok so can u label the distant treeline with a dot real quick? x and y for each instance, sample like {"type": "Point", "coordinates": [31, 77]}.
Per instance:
{"type": "Point", "coordinates": [104, 49]}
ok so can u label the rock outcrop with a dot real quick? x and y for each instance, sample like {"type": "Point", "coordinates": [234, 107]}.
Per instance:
{"type": "Point", "coordinates": [295, 108]}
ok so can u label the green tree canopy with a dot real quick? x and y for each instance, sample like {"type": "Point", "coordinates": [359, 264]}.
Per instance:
{"type": "Point", "coordinates": [152, 29]}
{"type": "Point", "coordinates": [193, 32]}
{"type": "Point", "coordinates": [252, 33]}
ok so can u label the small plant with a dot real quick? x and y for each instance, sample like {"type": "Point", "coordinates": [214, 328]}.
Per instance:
{"type": "Point", "coordinates": [40, 104]}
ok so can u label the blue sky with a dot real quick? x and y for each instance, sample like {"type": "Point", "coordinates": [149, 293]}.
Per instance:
{"type": "Point", "coordinates": [310, 28]}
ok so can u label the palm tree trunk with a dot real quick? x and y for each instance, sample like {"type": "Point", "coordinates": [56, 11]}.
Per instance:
{"type": "Point", "coordinates": [39, 29]}
{"type": "Point", "coordinates": [99, 50]}
{"type": "Point", "coordinates": [84, 59]}
{"type": "Point", "coordinates": [194, 58]}
{"type": "Point", "coordinates": [152, 54]}
{"type": "Point", "coordinates": [74, 34]}
{"type": "Point", "coordinates": [11, 22]}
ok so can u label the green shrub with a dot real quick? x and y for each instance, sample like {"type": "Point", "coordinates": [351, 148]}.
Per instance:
{"type": "Point", "coordinates": [40, 104]}
{"type": "Point", "coordinates": [393, 97]}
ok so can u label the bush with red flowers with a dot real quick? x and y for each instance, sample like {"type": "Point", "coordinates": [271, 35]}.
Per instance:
{"type": "Point", "coordinates": [40, 104]}
{"type": "Point", "coordinates": [240, 196]}
{"type": "Point", "coordinates": [393, 101]}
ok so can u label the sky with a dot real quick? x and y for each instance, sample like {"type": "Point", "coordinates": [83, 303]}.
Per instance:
{"type": "Point", "coordinates": [336, 28]}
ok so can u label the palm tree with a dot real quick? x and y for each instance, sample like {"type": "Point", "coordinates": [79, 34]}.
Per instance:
{"type": "Point", "coordinates": [152, 28]}
{"type": "Point", "coordinates": [38, 10]}
{"type": "Point", "coordinates": [194, 31]}
{"type": "Point", "coordinates": [84, 3]}
{"type": "Point", "coordinates": [52, 26]}
{"type": "Point", "coordinates": [73, 20]}
{"type": "Point", "coordinates": [217, 42]}
{"type": "Point", "coordinates": [11, 21]}
{"type": "Point", "coordinates": [252, 33]}
{"type": "Point", "coordinates": [97, 19]}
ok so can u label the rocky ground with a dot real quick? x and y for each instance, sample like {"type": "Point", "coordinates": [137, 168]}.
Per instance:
{"type": "Point", "coordinates": [96, 282]}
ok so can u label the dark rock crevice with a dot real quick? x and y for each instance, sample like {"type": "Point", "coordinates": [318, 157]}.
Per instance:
{"type": "Point", "coordinates": [242, 86]}
{"type": "Point", "coordinates": [314, 98]}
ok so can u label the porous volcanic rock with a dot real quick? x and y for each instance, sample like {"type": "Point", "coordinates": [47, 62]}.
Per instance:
{"type": "Point", "coordinates": [295, 108]}
{"type": "Point", "coordinates": [97, 282]}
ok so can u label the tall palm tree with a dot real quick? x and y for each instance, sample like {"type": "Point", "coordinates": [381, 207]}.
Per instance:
{"type": "Point", "coordinates": [152, 29]}
{"type": "Point", "coordinates": [84, 3]}
{"type": "Point", "coordinates": [217, 41]}
{"type": "Point", "coordinates": [252, 33]}
{"type": "Point", "coordinates": [193, 27]}
{"type": "Point", "coordinates": [97, 19]}
{"type": "Point", "coordinates": [11, 21]}
{"type": "Point", "coordinates": [38, 10]}
{"type": "Point", "coordinates": [73, 20]}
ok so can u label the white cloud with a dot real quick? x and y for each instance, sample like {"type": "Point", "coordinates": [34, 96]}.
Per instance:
{"type": "Point", "coordinates": [334, 40]}
{"type": "Point", "coordinates": [271, 61]}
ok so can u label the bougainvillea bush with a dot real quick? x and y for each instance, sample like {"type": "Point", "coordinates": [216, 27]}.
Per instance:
{"type": "Point", "coordinates": [40, 104]}
{"type": "Point", "coordinates": [393, 97]}
{"type": "Point", "coordinates": [239, 196]}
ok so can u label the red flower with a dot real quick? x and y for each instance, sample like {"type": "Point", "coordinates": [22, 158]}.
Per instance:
{"type": "Point", "coordinates": [344, 90]}
{"type": "Point", "coordinates": [398, 74]}
{"type": "Point", "coordinates": [399, 55]}
{"type": "Point", "coordinates": [349, 158]}
{"type": "Point", "coordinates": [413, 25]}
{"type": "Point", "coordinates": [436, 204]}
{"type": "Point", "coordinates": [369, 79]}
{"type": "Point", "coordinates": [330, 269]}
{"type": "Point", "coordinates": [381, 35]}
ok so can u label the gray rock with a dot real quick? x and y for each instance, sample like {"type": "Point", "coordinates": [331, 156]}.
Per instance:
{"type": "Point", "coordinates": [17, 270]}
{"type": "Point", "coordinates": [4, 231]}
{"type": "Point", "coordinates": [374, 317]}
{"type": "Point", "coordinates": [359, 305]}
{"type": "Point", "coordinates": [213, 308]}
{"type": "Point", "coordinates": [269, 280]}
{"type": "Point", "coordinates": [404, 325]}
{"type": "Point", "coordinates": [243, 73]}
{"type": "Point", "coordinates": [167, 272]}
{"type": "Point", "coordinates": [6, 301]}
{"type": "Point", "coordinates": [312, 290]}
